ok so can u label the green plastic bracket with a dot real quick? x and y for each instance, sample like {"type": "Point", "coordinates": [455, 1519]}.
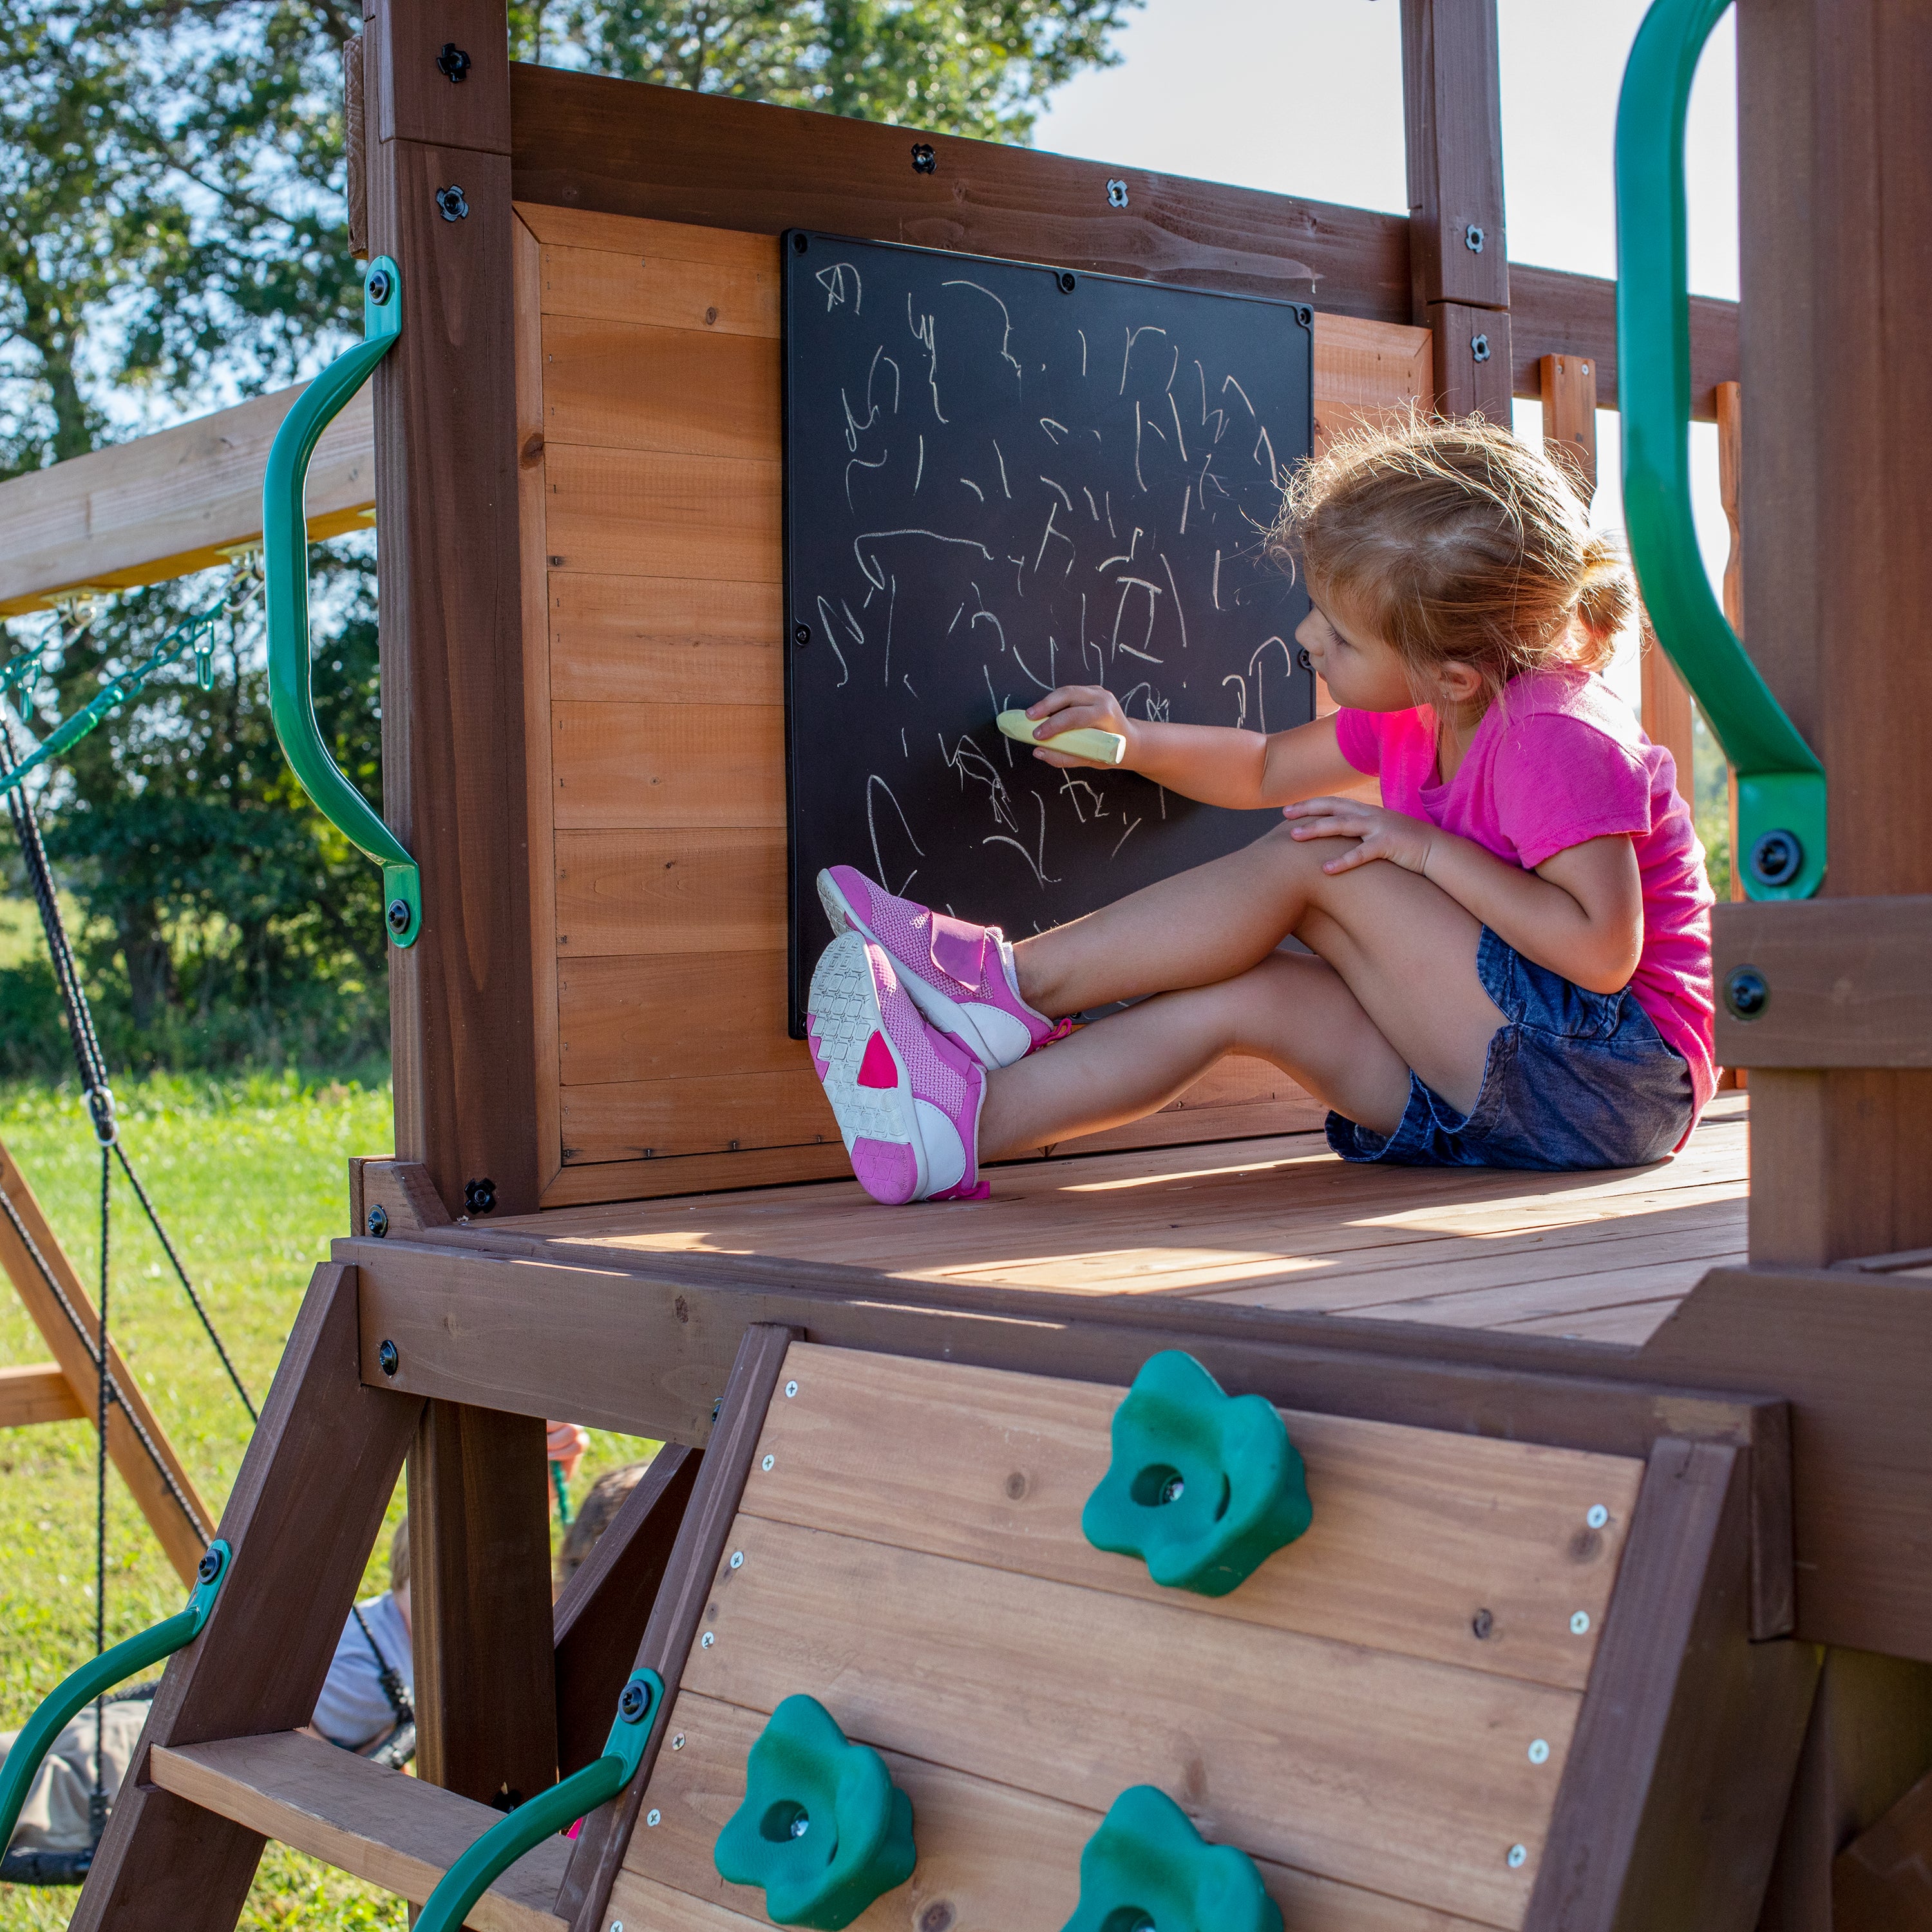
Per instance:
{"type": "Point", "coordinates": [1781, 817]}
{"type": "Point", "coordinates": [824, 1831]}
{"type": "Point", "coordinates": [99, 1675]}
{"type": "Point", "coordinates": [1203, 1486]}
{"type": "Point", "coordinates": [551, 1811]}
{"type": "Point", "coordinates": [1146, 1867]}
{"type": "Point", "coordinates": [285, 581]}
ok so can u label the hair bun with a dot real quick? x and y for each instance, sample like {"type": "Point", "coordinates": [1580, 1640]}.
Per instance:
{"type": "Point", "coordinates": [1605, 592]}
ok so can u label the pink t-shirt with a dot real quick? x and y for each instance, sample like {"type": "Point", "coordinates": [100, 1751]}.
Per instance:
{"type": "Point", "coordinates": [1556, 760]}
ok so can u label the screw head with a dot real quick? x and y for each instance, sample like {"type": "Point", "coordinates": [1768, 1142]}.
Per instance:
{"type": "Point", "coordinates": [1117, 194]}
{"type": "Point", "coordinates": [924, 160]}
{"type": "Point", "coordinates": [1539, 1751]}
{"type": "Point", "coordinates": [387, 1358]}
{"type": "Point", "coordinates": [1579, 1624]}
{"type": "Point", "coordinates": [707, 1640]}
{"type": "Point", "coordinates": [1066, 281]}
{"type": "Point", "coordinates": [379, 286]}
{"type": "Point", "coordinates": [453, 62]}
{"type": "Point", "coordinates": [799, 243]}
{"type": "Point", "coordinates": [1481, 1624]}
{"type": "Point", "coordinates": [770, 1463]}
{"type": "Point", "coordinates": [1473, 238]}
{"type": "Point", "coordinates": [1597, 1516]}
{"type": "Point", "coordinates": [1519, 1857]}
{"type": "Point", "coordinates": [1479, 347]}
{"type": "Point", "coordinates": [1777, 858]}
{"type": "Point", "coordinates": [378, 1220]}
{"type": "Point", "coordinates": [737, 1559]}
{"type": "Point", "coordinates": [479, 1197]}
{"type": "Point", "coordinates": [635, 1701]}
{"type": "Point", "coordinates": [653, 1817]}
{"type": "Point", "coordinates": [1746, 993]}
{"type": "Point", "coordinates": [399, 915]}
{"type": "Point", "coordinates": [801, 635]}
{"type": "Point", "coordinates": [209, 1567]}
{"type": "Point", "coordinates": [452, 203]}
{"type": "Point", "coordinates": [791, 1389]}
{"type": "Point", "coordinates": [1302, 657]}
{"type": "Point", "coordinates": [677, 1742]}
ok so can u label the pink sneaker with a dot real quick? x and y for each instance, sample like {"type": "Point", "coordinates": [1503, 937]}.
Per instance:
{"type": "Point", "coordinates": [960, 976]}
{"type": "Point", "coordinates": [906, 1098]}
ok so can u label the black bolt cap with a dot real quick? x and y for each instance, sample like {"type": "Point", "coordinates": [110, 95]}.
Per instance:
{"type": "Point", "coordinates": [1746, 993]}
{"type": "Point", "coordinates": [399, 915]}
{"type": "Point", "coordinates": [924, 160]}
{"type": "Point", "coordinates": [387, 1359]}
{"type": "Point", "coordinates": [379, 286]}
{"type": "Point", "coordinates": [1777, 859]}
{"type": "Point", "coordinates": [635, 1701]}
{"type": "Point", "coordinates": [209, 1567]}
{"type": "Point", "coordinates": [479, 1196]}
{"type": "Point", "coordinates": [454, 62]}
{"type": "Point", "coordinates": [377, 1220]}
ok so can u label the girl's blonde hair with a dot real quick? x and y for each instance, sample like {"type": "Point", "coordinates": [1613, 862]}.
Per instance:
{"type": "Point", "coordinates": [1452, 540]}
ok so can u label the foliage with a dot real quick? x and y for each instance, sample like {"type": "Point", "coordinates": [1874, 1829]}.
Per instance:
{"type": "Point", "coordinates": [249, 1175]}
{"type": "Point", "coordinates": [1711, 784]}
{"type": "Point", "coordinates": [979, 68]}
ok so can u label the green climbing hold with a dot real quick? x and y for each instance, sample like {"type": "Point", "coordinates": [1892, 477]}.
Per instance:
{"type": "Point", "coordinates": [824, 1831]}
{"type": "Point", "coordinates": [1148, 1867]}
{"type": "Point", "coordinates": [1203, 1486]}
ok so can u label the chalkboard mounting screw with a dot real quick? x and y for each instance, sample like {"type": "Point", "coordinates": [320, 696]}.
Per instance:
{"type": "Point", "coordinates": [1065, 279]}
{"type": "Point", "coordinates": [1117, 194]}
{"type": "Point", "coordinates": [801, 635]}
{"type": "Point", "coordinates": [799, 243]}
{"type": "Point", "coordinates": [924, 160]}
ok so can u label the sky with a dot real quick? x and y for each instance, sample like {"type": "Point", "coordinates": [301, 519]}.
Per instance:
{"type": "Point", "coordinates": [1304, 97]}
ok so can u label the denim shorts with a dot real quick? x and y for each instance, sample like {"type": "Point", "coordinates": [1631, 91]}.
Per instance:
{"type": "Point", "coordinates": [1573, 1079]}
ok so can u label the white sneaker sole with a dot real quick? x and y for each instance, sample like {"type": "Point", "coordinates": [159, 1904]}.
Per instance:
{"type": "Point", "coordinates": [842, 1014]}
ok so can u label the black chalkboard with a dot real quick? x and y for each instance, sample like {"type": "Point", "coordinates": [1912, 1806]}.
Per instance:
{"type": "Point", "coordinates": [1001, 477]}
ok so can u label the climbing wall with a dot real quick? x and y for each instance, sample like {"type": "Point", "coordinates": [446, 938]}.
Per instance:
{"type": "Point", "coordinates": [650, 480]}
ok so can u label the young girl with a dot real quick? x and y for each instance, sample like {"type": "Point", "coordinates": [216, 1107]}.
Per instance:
{"type": "Point", "coordinates": [1508, 959]}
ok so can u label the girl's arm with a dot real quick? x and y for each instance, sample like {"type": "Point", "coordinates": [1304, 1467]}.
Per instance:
{"type": "Point", "coordinates": [1579, 913]}
{"type": "Point", "coordinates": [1214, 763]}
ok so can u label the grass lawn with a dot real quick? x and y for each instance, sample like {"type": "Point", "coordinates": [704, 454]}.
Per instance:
{"type": "Point", "coordinates": [251, 1177]}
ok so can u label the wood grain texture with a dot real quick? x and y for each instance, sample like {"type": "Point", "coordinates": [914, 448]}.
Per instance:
{"type": "Point", "coordinates": [654, 273]}
{"type": "Point", "coordinates": [480, 1605]}
{"type": "Point", "coordinates": [1372, 1768]}
{"type": "Point", "coordinates": [355, 147]}
{"type": "Point", "coordinates": [601, 1611]}
{"type": "Point", "coordinates": [1850, 982]}
{"type": "Point", "coordinates": [1882, 1881]}
{"type": "Point", "coordinates": [641, 513]}
{"type": "Point", "coordinates": [679, 1607]}
{"type": "Point", "coordinates": [166, 504]}
{"type": "Point", "coordinates": [622, 384]}
{"type": "Point", "coordinates": [656, 765]}
{"type": "Point", "coordinates": [182, 1532]}
{"type": "Point", "coordinates": [377, 1825]}
{"type": "Point", "coordinates": [1730, 410]}
{"type": "Point", "coordinates": [712, 1113]}
{"type": "Point", "coordinates": [615, 1023]}
{"type": "Point", "coordinates": [706, 889]}
{"type": "Point", "coordinates": [1685, 1750]}
{"type": "Point", "coordinates": [676, 640]}
{"type": "Point", "coordinates": [462, 1001]}
{"type": "Point", "coordinates": [301, 1519]}
{"type": "Point", "coordinates": [33, 1392]}
{"type": "Point", "coordinates": [1569, 384]}
{"type": "Point", "coordinates": [696, 1174]}
{"type": "Point", "coordinates": [414, 100]}
{"type": "Point", "coordinates": [991, 1858]}
{"type": "Point", "coordinates": [1415, 1533]}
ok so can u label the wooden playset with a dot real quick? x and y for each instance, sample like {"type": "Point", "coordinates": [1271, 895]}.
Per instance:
{"type": "Point", "coordinates": [1615, 1612]}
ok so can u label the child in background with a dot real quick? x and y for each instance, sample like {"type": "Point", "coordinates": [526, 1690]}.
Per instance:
{"type": "Point", "coordinates": [1508, 959]}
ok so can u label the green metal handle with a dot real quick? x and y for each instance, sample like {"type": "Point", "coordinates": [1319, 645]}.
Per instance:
{"type": "Point", "coordinates": [98, 1676]}
{"type": "Point", "coordinates": [285, 579]}
{"type": "Point", "coordinates": [550, 1812]}
{"type": "Point", "coordinates": [1148, 1866]}
{"type": "Point", "coordinates": [1781, 819]}
{"type": "Point", "coordinates": [1204, 1486]}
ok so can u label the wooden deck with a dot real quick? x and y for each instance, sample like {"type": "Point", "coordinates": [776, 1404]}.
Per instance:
{"type": "Point", "coordinates": [1280, 1223]}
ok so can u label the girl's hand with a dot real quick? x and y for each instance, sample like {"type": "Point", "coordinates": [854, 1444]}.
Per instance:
{"type": "Point", "coordinates": [1074, 707]}
{"type": "Point", "coordinates": [1393, 836]}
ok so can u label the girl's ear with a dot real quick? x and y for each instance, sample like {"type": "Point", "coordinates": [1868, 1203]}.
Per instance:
{"type": "Point", "coordinates": [1458, 683]}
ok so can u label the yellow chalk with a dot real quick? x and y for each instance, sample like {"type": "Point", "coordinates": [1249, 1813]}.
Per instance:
{"type": "Point", "coordinates": [1104, 748]}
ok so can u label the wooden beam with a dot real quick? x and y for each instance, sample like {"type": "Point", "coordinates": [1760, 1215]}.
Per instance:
{"type": "Point", "coordinates": [1458, 255]}
{"type": "Point", "coordinates": [1685, 1752]}
{"type": "Point", "coordinates": [37, 1392]}
{"type": "Point", "coordinates": [1882, 1879]}
{"type": "Point", "coordinates": [1848, 983]}
{"type": "Point", "coordinates": [689, 1579]}
{"type": "Point", "coordinates": [181, 1522]}
{"type": "Point", "coordinates": [382, 1826]}
{"type": "Point", "coordinates": [461, 1005]}
{"type": "Point", "coordinates": [301, 1519]}
{"type": "Point", "coordinates": [1569, 394]}
{"type": "Point", "coordinates": [1836, 171]}
{"type": "Point", "coordinates": [168, 503]}
{"type": "Point", "coordinates": [601, 1615]}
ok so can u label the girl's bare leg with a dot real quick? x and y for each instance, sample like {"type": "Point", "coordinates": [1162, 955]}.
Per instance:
{"type": "Point", "coordinates": [1394, 986]}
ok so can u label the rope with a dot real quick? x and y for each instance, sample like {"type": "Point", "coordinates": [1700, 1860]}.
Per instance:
{"type": "Point", "coordinates": [97, 1803]}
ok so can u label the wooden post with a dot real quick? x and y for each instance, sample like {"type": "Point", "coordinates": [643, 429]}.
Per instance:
{"type": "Point", "coordinates": [438, 191]}
{"type": "Point", "coordinates": [181, 1522]}
{"type": "Point", "coordinates": [1459, 263]}
{"type": "Point", "coordinates": [1569, 385]}
{"type": "Point", "coordinates": [1730, 472]}
{"type": "Point", "coordinates": [1836, 167]}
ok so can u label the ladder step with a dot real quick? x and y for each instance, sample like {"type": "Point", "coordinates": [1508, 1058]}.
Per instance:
{"type": "Point", "coordinates": [378, 1825]}
{"type": "Point", "coordinates": [38, 1392]}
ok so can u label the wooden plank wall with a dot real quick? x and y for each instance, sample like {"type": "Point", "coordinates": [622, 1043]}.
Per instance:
{"type": "Point", "coordinates": [650, 433]}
